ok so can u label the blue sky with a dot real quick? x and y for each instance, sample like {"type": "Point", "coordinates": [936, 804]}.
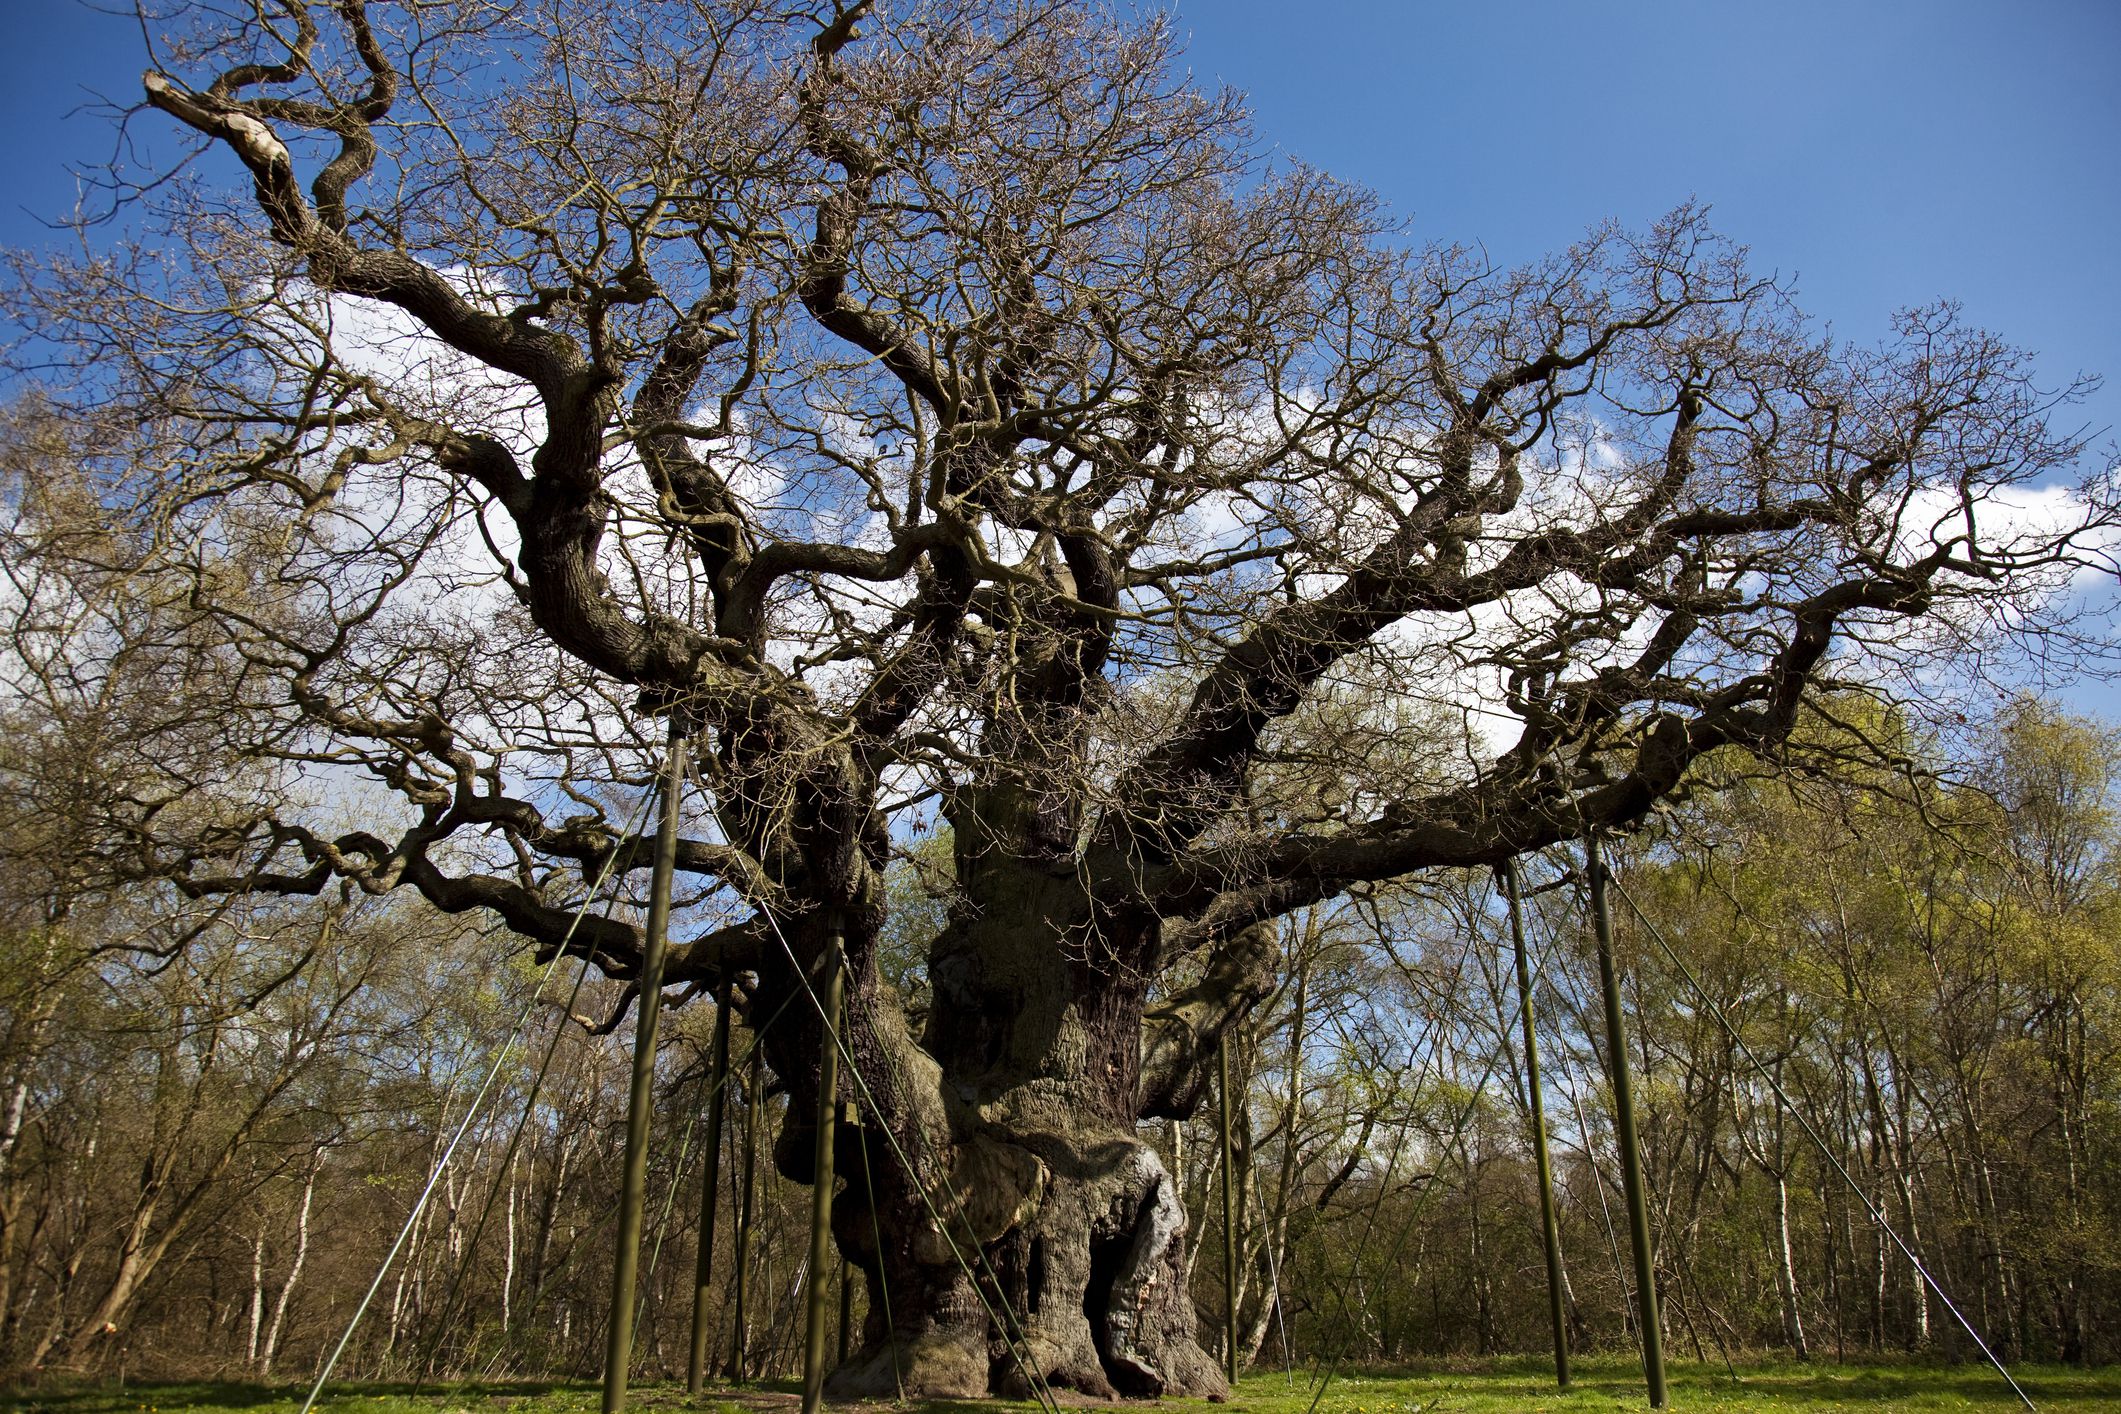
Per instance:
{"type": "Point", "coordinates": [1886, 152]}
{"type": "Point", "coordinates": [1883, 152]}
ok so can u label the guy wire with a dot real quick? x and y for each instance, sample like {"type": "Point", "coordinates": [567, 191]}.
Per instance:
{"type": "Point", "coordinates": [1012, 1330]}
{"type": "Point", "coordinates": [1877, 1218]}
{"type": "Point", "coordinates": [478, 1099]}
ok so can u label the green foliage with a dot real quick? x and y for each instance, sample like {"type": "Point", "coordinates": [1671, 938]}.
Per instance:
{"type": "Point", "coordinates": [920, 884]}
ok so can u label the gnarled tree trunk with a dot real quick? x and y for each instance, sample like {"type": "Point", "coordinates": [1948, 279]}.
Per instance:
{"type": "Point", "coordinates": [1014, 1228]}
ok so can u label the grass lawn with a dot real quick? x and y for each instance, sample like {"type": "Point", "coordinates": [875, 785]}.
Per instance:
{"type": "Point", "coordinates": [1601, 1384]}
{"type": "Point", "coordinates": [1615, 1383]}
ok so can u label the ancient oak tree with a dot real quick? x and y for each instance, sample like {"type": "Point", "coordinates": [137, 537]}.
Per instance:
{"type": "Point", "coordinates": [947, 410]}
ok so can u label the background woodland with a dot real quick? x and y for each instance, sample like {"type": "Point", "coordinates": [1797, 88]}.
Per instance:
{"type": "Point", "coordinates": [211, 1126]}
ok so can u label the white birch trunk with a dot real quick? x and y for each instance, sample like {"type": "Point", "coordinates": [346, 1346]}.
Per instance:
{"type": "Point", "coordinates": [294, 1270]}
{"type": "Point", "coordinates": [257, 1295]}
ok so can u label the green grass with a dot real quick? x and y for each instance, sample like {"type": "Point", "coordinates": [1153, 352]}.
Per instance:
{"type": "Point", "coordinates": [1601, 1384]}
{"type": "Point", "coordinates": [1613, 1384]}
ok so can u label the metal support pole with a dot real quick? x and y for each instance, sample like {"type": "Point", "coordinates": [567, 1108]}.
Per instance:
{"type": "Point", "coordinates": [1624, 1123]}
{"type": "Point", "coordinates": [1550, 1228]}
{"type": "Point", "coordinates": [754, 1096]}
{"type": "Point", "coordinates": [1229, 1223]}
{"type": "Point", "coordinates": [640, 1093]}
{"type": "Point", "coordinates": [710, 1195]}
{"type": "Point", "coordinates": [828, 1107]}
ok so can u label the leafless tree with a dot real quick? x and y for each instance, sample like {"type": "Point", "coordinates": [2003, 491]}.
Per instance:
{"type": "Point", "coordinates": [945, 410]}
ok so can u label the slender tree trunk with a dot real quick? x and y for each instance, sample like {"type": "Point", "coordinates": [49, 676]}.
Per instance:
{"type": "Point", "coordinates": [35, 1027]}
{"type": "Point", "coordinates": [1559, 1298]}
{"type": "Point", "coordinates": [257, 1297]}
{"type": "Point", "coordinates": [401, 1289]}
{"type": "Point", "coordinates": [1786, 1272]}
{"type": "Point", "coordinates": [546, 1219]}
{"type": "Point", "coordinates": [1483, 1291]}
{"type": "Point", "coordinates": [740, 1340]}
{"type": "Point", "coordinates": [271, 1348]}
{"type": "Point", "coordinates": [12, 1120]}
{"type": "Point", "coordinates": [508, 1265]}
{"type": "Point", "coordinates": [1230, 1224]}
